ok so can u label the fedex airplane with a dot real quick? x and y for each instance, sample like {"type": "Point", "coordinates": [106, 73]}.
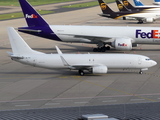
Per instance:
{"type": "Point", "coordinates": [94, 63]}
{"type": "Point", "coordinates": [119, 37]}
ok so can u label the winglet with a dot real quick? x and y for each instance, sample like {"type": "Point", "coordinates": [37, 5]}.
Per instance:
{"type": "Point", "coordinates": [58, 50]}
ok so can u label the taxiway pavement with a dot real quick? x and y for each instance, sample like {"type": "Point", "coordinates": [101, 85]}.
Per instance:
{"type": "Point", "coordinates": [25, 87]}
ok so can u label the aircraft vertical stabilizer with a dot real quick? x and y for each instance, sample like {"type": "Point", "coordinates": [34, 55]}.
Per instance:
{"type": "Point", "coordinates": [128, 5]}
{"type": "Point", "coordinates": [32, 17]}
{"type": "Point", "coordinates": [120, 6]}
{"type": "Point", "coordinates": [138, 3]}
{"type": "Point", "coordinates": [19, 46]}
{"type": "Point", "coordinates": [104, 7]}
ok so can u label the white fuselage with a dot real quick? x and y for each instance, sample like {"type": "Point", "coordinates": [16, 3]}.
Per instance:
{"type": "Point", "coordinates": [94, 34]}
{"type": "Point", "coordinates": [53, 61]}
{"type": "Point", "coordinates": [156, 3]}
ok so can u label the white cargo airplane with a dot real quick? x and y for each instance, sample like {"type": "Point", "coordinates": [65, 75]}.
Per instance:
{"type": "Point", "coordinates": [94, 63]}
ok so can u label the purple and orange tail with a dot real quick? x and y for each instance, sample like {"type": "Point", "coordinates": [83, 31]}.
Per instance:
{"type": "Point", "coordinates": [33, 18]}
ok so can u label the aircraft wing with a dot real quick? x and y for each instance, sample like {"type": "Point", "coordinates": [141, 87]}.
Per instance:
{"type": "Point", "coordinates": [85, 66]}
{"type": "Point", "coordinates": [78, 66]}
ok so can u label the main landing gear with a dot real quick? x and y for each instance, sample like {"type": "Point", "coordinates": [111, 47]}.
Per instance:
{"type": "Point", "coordinates": [140, 72]}
{"type": "Point", "coordinates": [81, 73]}
{"type": "Point", "coordinates": [140, 22]}
{"type": "Point", "coordinates": [101, 48]}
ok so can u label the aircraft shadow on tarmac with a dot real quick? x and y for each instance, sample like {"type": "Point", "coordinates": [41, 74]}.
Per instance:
{"type": "Point", "coordinates": [71, 73]}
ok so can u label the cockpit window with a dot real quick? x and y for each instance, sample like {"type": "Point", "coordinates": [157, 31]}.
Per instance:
{"type": "Point", "coordinates": [147, 59]}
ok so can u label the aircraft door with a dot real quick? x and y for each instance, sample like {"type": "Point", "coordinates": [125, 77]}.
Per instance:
{"type": "Point", "coordinates": [139, 60]}
{"type": "Point", "coordinates": [91, 61]}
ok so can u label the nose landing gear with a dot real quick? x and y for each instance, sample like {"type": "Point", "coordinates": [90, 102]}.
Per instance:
{"type": "Point", "coordinates": [81, 72]}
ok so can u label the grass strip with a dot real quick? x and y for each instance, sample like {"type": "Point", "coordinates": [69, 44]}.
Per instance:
{"type": "Point", "coordinates": [32, 2]}
{"type": "Point", "coordinates": [20, 14]}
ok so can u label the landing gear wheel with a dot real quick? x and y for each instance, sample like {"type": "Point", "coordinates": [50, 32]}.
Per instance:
{"type": "Point", "coordinates": [81, 72]}
{"type": "Point", "coordinates": [95, 49]}
{"type": "Point", "coordinates": [140, 72]}
{"type": "Point", "coordinates": [108, 48]}
{"type": "Point", "coordinates": [103, 49]}
{"type": "Point", "coordinates": [140, 22]}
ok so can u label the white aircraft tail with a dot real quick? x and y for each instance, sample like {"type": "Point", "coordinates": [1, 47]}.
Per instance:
{"type": "Point", "coordinates": [19, 46]}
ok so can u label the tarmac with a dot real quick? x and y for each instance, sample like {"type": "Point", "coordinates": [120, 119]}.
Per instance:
{"type": "Point", "coordinates": [24, 87]}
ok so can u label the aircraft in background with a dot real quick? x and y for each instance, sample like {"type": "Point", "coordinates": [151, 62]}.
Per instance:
{"type": "Point", "coordinates": [94, 63]}
{"type": "Point", "coordinates": [139, 3]}
{"type": "Point", "coordinates": [146, 14]}
{"type": "Point", "coordinates": [125, 14]}
{"type": "Point", "coordinates": [129, 6]}
{"type": "Point", "coordinates": [119, 37]}
{"type": "Point", "coordinates": [156, 2]}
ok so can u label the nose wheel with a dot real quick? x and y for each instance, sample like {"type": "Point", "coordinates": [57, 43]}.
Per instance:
{"type": "Point", "coordinates": [81, 73]}
{"type": "Point", "coordinates": [140, 72]}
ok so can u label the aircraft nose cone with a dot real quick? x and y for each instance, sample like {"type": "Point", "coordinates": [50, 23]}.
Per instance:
{"type": "Point", "coordinates": [154, 63]}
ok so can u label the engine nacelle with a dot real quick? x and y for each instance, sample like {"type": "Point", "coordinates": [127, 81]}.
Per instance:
{"type": "Point", "coordinates": [150, 20]}
{"type": "Point", "coordinates": [122, 44]}
{"type": "Point", "coordinates": [99, 69]}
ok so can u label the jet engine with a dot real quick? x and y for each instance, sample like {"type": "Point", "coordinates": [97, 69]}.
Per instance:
{"type": "Point", "coordinates": [150, 20]}
{"type": "Point", "coordinates": [122, 44]}
{"type": "Point", "coordinates": [99, 69]}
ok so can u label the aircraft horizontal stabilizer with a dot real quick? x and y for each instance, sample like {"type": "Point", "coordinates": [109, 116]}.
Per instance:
{"type": "Point", "coordinates": [30, 30]}
{"type": "Point", "coordinates": [14, 56]}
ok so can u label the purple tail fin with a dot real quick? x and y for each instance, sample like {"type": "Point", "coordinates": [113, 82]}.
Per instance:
{"type": "Point", "coordinates": [32, 17]}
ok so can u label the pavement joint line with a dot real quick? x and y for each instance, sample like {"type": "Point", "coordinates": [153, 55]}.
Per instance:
{"type": "Point", "coordinates": [151, 100]}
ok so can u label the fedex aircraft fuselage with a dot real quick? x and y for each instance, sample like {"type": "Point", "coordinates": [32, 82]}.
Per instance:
{"type": "Point", "coordinates": [139, 35]}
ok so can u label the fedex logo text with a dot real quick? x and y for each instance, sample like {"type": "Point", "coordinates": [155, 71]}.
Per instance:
{"type": "Point", "coordinates": [31, 16]}
{"type": "Point", "coordinates": [153, 34]}
{"type": "Point", "coordinates": [123, 44]}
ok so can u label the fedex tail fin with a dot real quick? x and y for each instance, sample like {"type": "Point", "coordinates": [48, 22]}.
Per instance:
{"type": "Point", "coordinates": [128, 4]}
{"type": "Point", "coordinates": [120, 6]}
{"type": "Point", "coordinates": [18, 45]}
{"type": "Point", "coordinates": [138, 3]}
{"type": "Point", "coordinates": [32, 17]}
{"type": "Point", "coordinates": [104, 7]}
